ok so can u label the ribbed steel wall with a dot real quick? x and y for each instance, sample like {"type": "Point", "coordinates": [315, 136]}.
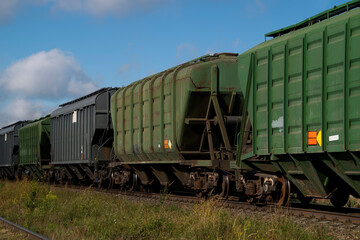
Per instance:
{"type": "Point", "coordinates": [6, 148]}
{"type": "Point", "coordinates": [30, 140]}
{"type": "Point", "coordinates": [71, 142]}
{"type": "Point", "coordinates": [7, 159]}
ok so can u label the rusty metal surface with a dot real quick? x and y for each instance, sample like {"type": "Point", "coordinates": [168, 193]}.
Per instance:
{"type": "Point", "coordinates": [169, 115]}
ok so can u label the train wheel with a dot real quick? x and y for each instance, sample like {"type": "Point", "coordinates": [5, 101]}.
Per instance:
{"type": "Point", "coordinates": [134, 182]}
{"type": "Point", "coordinates": [225, 187]}
{"type": "Point", "coordinates": [339, 198]}
{"type": "Point", "coordinates": [111, 180]}
{"type": "Point", "coordinates": [283, 197]}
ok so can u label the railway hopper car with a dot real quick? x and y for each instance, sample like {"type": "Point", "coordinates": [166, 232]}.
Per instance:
{"type": "Point", "coordinates": [178, 127]}
{"type": "Point", "coordinates": [9, 150]}
{"type": "Point", "coordinates": [280, 118]}
{"type": "Point", "coordinates": [82, 137]}
{"type": "Point", "coordinates": [302, 94]}
{"type": "Point", "coordinates": [35, 149]}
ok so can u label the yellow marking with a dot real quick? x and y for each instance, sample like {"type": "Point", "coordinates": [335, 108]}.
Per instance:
{"type": "Point", "coordinates": [318, 138]}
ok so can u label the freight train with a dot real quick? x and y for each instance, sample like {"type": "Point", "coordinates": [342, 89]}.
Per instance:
{"type": "Point", "coordinates": [280, 119]}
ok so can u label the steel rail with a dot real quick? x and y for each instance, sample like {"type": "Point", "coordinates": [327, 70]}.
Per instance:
{"type": "Point", "coordinates": [27, 232]}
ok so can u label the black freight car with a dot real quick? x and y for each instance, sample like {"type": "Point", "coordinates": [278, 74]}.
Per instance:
{"type": "Point", "coordinates": [9, 149]}
{"type": "Point", "coordinates": [82, 137]}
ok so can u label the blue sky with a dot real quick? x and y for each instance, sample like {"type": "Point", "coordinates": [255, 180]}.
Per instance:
{"type": "Point", "coordinates": [52, 51]}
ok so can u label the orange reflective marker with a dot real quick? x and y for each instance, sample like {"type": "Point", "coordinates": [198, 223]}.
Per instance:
{"type": "Point", "coordinates": [166, 143]}
{"type": "Point", "coordinates": [312, 135]}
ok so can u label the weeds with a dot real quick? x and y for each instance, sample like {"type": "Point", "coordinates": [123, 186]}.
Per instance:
{"type": "Point", "coordinates": [67, 214]}
{"type": "Point", "coordinates": [353, 202]}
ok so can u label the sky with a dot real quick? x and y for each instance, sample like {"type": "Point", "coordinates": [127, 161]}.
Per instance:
{"type": "Point", "coordinates": [53, 51]}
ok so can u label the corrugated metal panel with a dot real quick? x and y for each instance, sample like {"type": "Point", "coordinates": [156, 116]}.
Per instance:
{"type": "Point", "coordinates": [308, 81]}
{"type": "Point", "coordinates": [34, 142]}
{"type": "Point", "coordinates": [71, 136]}
{"type": "Point", "coordinates": [149, 115]}
{"type": "Point", "coordinates": [75, 128]}
{"type": "Point", "coordinates": [304, 105]}
{"type": "Point", "coordinates": [9, 144]}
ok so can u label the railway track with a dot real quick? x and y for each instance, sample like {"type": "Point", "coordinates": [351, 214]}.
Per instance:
{"type": "Point", "coordinates": [25, 233]}
{"type": "Point", "coordinates": [312, 211]}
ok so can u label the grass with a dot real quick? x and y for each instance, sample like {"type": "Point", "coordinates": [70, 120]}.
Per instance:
{"type": "Point", "coordinates": [68, 214]}
{"type": "Point", "coordinates": [352, 203]}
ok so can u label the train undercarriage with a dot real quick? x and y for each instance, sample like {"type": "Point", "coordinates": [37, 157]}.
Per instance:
{"type": "Point", "coordinates": [251, 186]}
{"type": "Point", "coordinates": [257, 188]}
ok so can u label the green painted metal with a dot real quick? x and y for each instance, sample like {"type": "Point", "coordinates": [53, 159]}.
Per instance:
{"type": "Point", "coordinates": [34, 143]}
{"type": "Point", "coordinates": [153, 112]}
{"type": "Point", "coordinates": [248, 75]}
{"type": "Point", "coordinates": [317, 83]}
{"type": "Point", "coordinates": [308, 80]}
{"type": "Point", "coordinates": [317, 18]}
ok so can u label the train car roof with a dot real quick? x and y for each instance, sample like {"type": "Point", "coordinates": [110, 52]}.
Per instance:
{"type": "Point", "coordinates": [11, 127]}
{"type": "Point", "coordinates": [293, 34]}
{"type": "Point", "coordinates": [79, 103]}
{"type": "Point", "coordinates": [336, 10]}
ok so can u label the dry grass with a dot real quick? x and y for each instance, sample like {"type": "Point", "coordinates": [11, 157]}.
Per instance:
{"type": "Point", "coordinates": [65, 214]}
{"type": "Point", "coordinates": [353, 202]}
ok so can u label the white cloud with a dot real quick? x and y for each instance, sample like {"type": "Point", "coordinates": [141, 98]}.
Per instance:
{"type": "Point", "coordinates": [186, 51]}
{"type": "Point", "coordinates": [236, 43]}
{"type": "Point", "coordinates": [254, 8]}
{"type": "Point", "coordinates": [98, 8]}
{"type": "Point", "coordinates": [126, 67]}
{"type": "Point", "coordinates": [47, 75]}
{"type": "Point", "coordinates": [8, 9]}
{"type": "Point", "coordinates": [23, 109]}
{"type": "Point", "coordinates": [80, 88]}
{"type": "Point", "coordinates": [261, 6]}
{"type": "Point", "coordinates": [19, 109]}
{"type": "Point", "coordinates": [210, 52]}
{"type": "Point", "coordinates": [104, 7]}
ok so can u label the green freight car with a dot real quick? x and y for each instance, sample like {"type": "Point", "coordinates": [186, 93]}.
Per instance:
{"type": "Point", "coordinates": [302, 95]}
{"type": "Point", "coordinates": [178, 126]}
{"type": "Point", "coordinates": [35, 148]}
{"type": "Point", "coordinates": [278, 119]}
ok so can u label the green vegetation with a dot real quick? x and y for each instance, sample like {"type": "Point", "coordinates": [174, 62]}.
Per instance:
{"type": "Point", "coordinates": [68, 214]}
{"type": "Point", "coordinates": [9, 234]}
{"type": "Point", "coordinates": [353, 202]}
